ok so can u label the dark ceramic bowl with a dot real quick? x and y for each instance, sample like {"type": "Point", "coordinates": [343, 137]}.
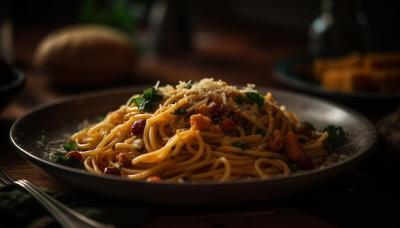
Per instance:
{"type": "Point", "coordinates": [33, 134]}
{"type": "Point", "coordinates": [11, 83]}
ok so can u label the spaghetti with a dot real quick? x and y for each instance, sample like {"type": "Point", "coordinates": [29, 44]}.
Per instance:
{"type": "Point", "coordinates": [207, 130]}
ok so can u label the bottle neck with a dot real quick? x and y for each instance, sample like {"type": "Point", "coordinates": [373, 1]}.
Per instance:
{"type": "Point", "coordinates": [340, 9]}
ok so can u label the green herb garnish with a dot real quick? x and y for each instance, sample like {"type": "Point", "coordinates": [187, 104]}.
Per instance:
{"type": "Point", "coordinates": [148, 101]}
{"type": "Point", "coordinates": [189, 85]}
{"type": "Point", "coordinates": [256, 98]}
{"type": "Point", "coordinates": [70, 146]}
{"type": "Point", "coordinates": [336, 138]}
{"type": "Point", "coordinates": [240, 144]}
{"type": "Point", "coordinates": [180, 111]}
{"type": "Point", "coordinates": [137, 100]}
{"type": "Point", "coordinates": [132, 100]}
{"type": "Point", "coordinates": [64, 159]}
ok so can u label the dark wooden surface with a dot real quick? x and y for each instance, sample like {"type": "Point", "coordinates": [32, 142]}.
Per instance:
{"type": "Point", "coordinates": [237, 57]}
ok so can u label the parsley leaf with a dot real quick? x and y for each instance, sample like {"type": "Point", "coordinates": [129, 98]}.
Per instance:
{"type": "Point", "coordinates": [64, 159]}
{"type": "Point", "coordinates": [133, 100]}
{"type": "Point", "coordinates": [189, 85]}
{"type": "Point", "coordinates": [70, 146]}
{"type": "Point", "coordinates": [151, 94]}
{"type": "Point", "coordinates": [336, 138]}
{"type": "Point", "coordinates": [256, 98]}
{"type": "Point", "coordinates": [148, 101]}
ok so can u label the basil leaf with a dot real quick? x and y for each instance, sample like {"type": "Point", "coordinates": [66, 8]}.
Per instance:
{"type": "Point", "coordinates": [256, 98]}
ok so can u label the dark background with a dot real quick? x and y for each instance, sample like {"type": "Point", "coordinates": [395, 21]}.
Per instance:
{"type": "Point", "coordinates": [383, 16]}
{"type": "Point", "coordinates": [254, 36]}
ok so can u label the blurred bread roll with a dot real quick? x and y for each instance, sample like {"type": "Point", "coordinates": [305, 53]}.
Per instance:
{"type": "Point", "coordinates": [86, 55]}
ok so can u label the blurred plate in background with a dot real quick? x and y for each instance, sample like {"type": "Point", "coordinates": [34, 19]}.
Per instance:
{"type": "Point", "coordinates": [295, 72]}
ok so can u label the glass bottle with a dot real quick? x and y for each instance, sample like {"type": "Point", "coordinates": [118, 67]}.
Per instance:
{"type": "Point", "coordinates": [341, 28]}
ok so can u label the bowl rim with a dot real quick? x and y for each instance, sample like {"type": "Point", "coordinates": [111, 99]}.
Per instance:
{"type": "Point", "coordinates": [77, 172]}
{"type": "Point", "coordinates": [18, 79]}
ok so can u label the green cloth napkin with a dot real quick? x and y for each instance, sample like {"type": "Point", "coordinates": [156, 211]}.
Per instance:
{"type": "Point", "coordinates": [19, 209]}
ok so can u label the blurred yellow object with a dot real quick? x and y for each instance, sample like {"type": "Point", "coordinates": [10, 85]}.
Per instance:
{"type": "Point", "coordinates": [347, 80]}
{"type": "Point", "coordinates": [372, 72]}
{"type": "Point", "coordinates": [85, 55]}
{"type": "Point", "coordinates": [321, 65]}
{"type": "Point", "coordinates": [387, 80]}
{"type": "Point", "coordinates": [381, 61]}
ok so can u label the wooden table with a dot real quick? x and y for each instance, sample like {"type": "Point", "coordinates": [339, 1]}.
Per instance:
{"type": "Point", "coordinates": [230, 55]}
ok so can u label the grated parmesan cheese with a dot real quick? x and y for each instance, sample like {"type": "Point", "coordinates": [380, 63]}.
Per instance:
{"type": "Point", "coordinates": [224, 98]}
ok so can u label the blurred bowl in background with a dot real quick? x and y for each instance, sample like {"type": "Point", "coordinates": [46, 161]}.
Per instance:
{"type": "Point", "coordinates": [12, 81]}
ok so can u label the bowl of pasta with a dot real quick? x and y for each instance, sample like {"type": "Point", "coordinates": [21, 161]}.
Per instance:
{"type": "Point", "coordinates": [202, 142]}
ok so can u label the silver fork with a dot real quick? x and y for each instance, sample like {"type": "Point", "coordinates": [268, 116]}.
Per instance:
{"type": "Point", "coordinates": [66, 216]}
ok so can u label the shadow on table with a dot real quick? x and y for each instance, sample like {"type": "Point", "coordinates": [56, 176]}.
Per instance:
{"type": "Point", "coordinates": [5, 125]}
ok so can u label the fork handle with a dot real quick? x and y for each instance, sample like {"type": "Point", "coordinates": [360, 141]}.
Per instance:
{"type": "Point", "coordinates": [66, 216]}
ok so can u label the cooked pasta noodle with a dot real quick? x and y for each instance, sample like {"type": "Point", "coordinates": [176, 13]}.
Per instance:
{"type": "Point", "coordinates": [200, 131]}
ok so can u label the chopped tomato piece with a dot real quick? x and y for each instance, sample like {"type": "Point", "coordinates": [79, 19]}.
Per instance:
{"type": "Point", "coordinates": [200, 122]}
{"type": "Point", "coordinates": [203, 109]}
{"type": "Point", "coordinates": [293, 147]}
{"type": "Point", "coordinates": [228, 125]}
{"type": "Point", "coordinates": [75, 154]}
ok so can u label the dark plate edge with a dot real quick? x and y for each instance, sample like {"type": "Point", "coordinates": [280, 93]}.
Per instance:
{"type": "Point", "coordinates": [348, 162]}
